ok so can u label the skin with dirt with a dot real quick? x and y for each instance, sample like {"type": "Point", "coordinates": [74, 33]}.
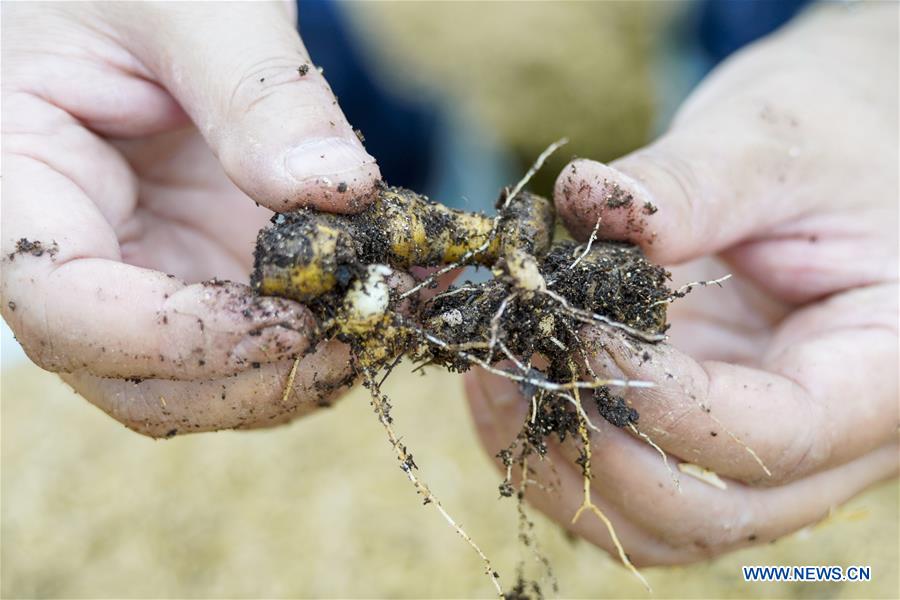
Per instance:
{"type": "Point", "coordinates": [524, 323]}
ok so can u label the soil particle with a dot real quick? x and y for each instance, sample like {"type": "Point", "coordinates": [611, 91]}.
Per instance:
{"type": "Point", "coordinates": [524, 590]}
{"type": "Point", "coordinates": [650, 208]}
{"type": "Point", "coordinates": [617, 197]}
{"type": "Point", "coordinates": [34, 248]}
{"type": "Point", "coordinates": [614, 408]}
{"type": "Point", "coordinates": [11, 305]}
{"type": "Point", "coordinates": [342, 187]}
{"type": "Point", "coordinates": [303, 69]}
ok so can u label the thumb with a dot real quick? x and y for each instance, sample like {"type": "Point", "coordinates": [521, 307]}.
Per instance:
{"type": "Point", "coordinates": [689, 194]}
{"type": "Point", "coordinates": [241, 72]}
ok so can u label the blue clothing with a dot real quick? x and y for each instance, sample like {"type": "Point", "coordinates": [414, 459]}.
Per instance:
{"type": "Point", "coordinates": [725, 26]}
{"type": "Point", "coordinates": [399, 132]}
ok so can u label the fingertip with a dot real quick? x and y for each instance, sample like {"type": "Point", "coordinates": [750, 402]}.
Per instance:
{"type": "Point", "coordinates": [334, 174]}
{"type": "Point", "coordinates": [616, 355]}
{"type": "Point", "coordinates": [269, 345]}
{"type": "Point", "coordinates": [588, 190]}
{"type": "Point", "coordinates": [232, 329]}
{"type": "Point", "coordinates": [229, 306]}
{"type": "Point", "coordinates": [399, 282]}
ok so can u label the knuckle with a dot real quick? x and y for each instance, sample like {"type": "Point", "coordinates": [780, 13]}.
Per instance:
{"type": "Point", "coordinates": [37, 342]}
{"type": "Point", "coordinates": [123, 401]}
{"type": "Point", "coordinates": [677, 421]}
{"type": "Point", "coordinates": [674, 174]}
{"type": "Point", "coordinates": [702, 538]}
{"type": "Point", "coordinates": [260, 80]}
{"type": "Point", "coordinates": [808, 449]}
{"type": "Point", "coordinates": [138, 413]}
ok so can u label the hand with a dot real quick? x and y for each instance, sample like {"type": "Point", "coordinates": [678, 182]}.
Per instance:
{"type": "Point", "coordinates": [781, 169]}
{"type": "Point", "coordinates": [136, 139]}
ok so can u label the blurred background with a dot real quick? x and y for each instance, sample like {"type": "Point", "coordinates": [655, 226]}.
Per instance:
{"type": "Point", "coordinates": [454, 99]}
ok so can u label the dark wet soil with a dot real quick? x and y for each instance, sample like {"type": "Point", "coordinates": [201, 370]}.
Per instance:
{"type": "Point", "coordinates": [34, 248]}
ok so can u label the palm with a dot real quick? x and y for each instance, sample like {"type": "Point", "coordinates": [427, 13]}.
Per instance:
{"type": "Point", "coordinates": [189, 219]}
{"type": "Point", "coordinates": [731, 324]}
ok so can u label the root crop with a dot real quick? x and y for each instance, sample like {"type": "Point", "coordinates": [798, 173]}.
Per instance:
{"type": "Point", "coordinates": [541, 294]}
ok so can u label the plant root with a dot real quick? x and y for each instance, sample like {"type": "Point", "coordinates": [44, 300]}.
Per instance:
{"type": "Point", "coordinates": [530, 313]}
{"type": "Point", "coordinates": [381, 405]}
{"type": "Point", "coordinates": [662, 453]}
{"type": "Point", "coordinates": [587, 503]}
{"type": "Point", "coordinates": [703, 474]}
{"type": "Point", "coordinates": [289, 384]}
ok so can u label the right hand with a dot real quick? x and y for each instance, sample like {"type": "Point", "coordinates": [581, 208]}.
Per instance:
{"type": "Point", "coordinates": [142, 139]}
{"type": "Point", "coordinates": [780, 168]}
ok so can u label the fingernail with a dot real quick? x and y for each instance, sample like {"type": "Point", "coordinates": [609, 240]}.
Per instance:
{"type": "Point", "coordinates": [326, 158]}
{"type": "Point", "coordinates": [269, 345]}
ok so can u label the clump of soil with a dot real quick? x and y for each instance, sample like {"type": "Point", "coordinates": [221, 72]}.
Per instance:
{"type": "Point", "coordinates": [613, 279]}
{"type": "Point", "coordinates": [34, 248]}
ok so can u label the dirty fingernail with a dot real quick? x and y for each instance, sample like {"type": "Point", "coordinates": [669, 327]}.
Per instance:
{"type": "Point", "coordinates": [326, 158]}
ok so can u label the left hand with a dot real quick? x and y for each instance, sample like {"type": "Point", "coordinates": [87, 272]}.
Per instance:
{"type": "Point", "coordinates": [153, 138]}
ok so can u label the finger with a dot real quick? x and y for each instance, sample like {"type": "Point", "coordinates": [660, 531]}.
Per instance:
{"type": "Point", "coordinates": [56, 54]}
{"type": "Point", "coordinates": [680, 198]}
{"type": "Point", "coordinates": [38, 135]}
{"type": "Point", "coordinates": [679, 524]}
{"type": "Point", "coordinates": [251, 399]}
{"type": "Point", "coordinates": [243, 75]}
{"type": "Point", "coordinates": [735, 166]}
{"type": "Point", "coordinates": [74, 306]}
{"type": "Point", "coordinates": [785, 509]}
{"type": "Point", "coordinates": [703, 520]}
{"type": "Point", "coordinates": [115, 320]}
{"type": "Point", "coordinates": [790, 417]}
